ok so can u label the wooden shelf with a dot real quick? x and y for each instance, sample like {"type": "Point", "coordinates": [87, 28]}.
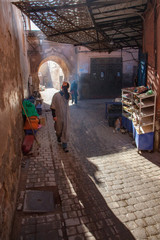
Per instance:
{"type": "Point", "coordinates": [144, 95]}
{"type": "Point", "coordinates": [127, 109]}
{"type": "Point", "coordinates": [144, 129]}
{"type": "Point", "coordinates": [127, 97]}
{"type": "Point", "coordinates": [147, 121]}
{"type": "Point", "coordinates": [142, 110]}
{"type": "Point", "coordinates": [143, 117]}
{"type": "Point", "coordinates": [148, 104]}
{"type": "Point", "coordinates": [145, 112]}
{"type": "Point", "coordinates": [128, 103]}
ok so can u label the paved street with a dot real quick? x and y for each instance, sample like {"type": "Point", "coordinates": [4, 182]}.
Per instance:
{"type": "Point", "coordinates": [103, 189]}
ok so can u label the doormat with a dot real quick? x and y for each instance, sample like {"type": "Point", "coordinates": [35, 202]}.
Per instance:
{"type": "Point", "coordinates": [38, 201]}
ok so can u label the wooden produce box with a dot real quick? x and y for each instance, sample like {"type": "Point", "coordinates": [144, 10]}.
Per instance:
{"type": "Point", "coordinates": [42, 121]}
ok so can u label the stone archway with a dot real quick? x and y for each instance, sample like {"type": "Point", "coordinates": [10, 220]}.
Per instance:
{"type": "Point", "coordinates": [61, 62]}
{"type": "Point", "coordinates": [57, 59]}
{"type": "Point", "coordinates": [63, 55]}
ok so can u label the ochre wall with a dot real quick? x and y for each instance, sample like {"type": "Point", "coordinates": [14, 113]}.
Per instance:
{"type": "Point", "coordinates": [13, 85]}
{"type": "Point", "coordinates": [152, 45]}
{"type": "Point", "coordinates": [158, 54]}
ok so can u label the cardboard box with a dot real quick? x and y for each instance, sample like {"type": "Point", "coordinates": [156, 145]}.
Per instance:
{"type": "Point", "coordinates": [42, 121]}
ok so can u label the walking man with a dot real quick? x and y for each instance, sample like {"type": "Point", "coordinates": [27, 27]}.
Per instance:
{"type": "Point", "coordinates": [61, 116]}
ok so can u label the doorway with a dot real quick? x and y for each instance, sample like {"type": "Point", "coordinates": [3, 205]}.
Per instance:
{"type": "Point", "coordinates": [105, 77]}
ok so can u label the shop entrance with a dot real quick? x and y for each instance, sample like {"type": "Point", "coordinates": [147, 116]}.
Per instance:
{"type": "Point", "coordinates": [106, 77]}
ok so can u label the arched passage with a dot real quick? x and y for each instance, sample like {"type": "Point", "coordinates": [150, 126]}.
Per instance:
{"type": "Point", "coordinates": [66, 69]}
{"type": "Point", "coordinates": [51, 75]}
{"type": "Point", "coordinates": [61, 62]}
{"type": "Point", "coordinates": [39, 59]}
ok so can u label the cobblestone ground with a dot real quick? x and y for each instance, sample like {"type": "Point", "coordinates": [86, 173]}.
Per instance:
{"type": "Point", "coordinates": [103, 188]}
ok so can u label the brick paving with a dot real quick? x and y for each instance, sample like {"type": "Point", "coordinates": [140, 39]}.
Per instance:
{"type": "Point", "coordinates": [104, 189]}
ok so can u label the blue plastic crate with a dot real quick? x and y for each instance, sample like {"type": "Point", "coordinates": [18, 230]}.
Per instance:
{"type": "Point", "coordinates": [144, 141]}
{"type": "Point", "coordinates": [133, 131]}
{"type": "Point", "coordinates": [127, 124]}
{"type": "Point", "coordinates": [29, 132]}
{"type": "Point", "coordinates": [124, 122]}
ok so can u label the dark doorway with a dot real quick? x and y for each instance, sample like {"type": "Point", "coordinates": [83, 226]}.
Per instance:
{"type": "Point", "coordinates": [106, 77]}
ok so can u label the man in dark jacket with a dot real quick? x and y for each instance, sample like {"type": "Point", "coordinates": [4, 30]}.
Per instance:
{"type": "Point", "coordinates": [74, 92]}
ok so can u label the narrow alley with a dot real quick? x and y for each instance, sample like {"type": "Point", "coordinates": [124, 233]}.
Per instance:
{"type": "Point", "coordinates": [104, 183]}
{"type": "Point", "coordinates": [102, 188]}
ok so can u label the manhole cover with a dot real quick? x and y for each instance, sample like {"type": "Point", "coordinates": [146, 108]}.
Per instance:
{"type": "Point", "coordinates": [38, 201]}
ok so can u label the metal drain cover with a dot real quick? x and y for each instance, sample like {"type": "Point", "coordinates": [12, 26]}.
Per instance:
{"type": "Point", "coordinates": [38, 201]}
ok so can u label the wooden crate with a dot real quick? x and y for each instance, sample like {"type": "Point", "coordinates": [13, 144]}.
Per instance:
{"type": "Point", "coordinates": [42, 121]}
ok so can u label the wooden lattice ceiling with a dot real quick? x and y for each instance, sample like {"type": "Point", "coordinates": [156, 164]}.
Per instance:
{"type": "Point", "coordinates": [100, 25]}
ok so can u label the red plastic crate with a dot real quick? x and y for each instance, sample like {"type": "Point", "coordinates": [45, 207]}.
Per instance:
{"type": "Point", "coordinates": [27, 143]}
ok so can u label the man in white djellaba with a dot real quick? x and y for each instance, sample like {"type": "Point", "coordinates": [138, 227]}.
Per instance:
{"type": "Point", "coordinates": [61, 114]}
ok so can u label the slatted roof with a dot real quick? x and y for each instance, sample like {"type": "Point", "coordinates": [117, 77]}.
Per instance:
{"type": "Point", "coordinates": [100, 25]}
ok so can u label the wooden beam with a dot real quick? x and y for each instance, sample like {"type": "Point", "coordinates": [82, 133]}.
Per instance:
{"type": "Point", "coordinates": [119, 9]}
{"type": "Point", "coordinates": [73, 31]}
